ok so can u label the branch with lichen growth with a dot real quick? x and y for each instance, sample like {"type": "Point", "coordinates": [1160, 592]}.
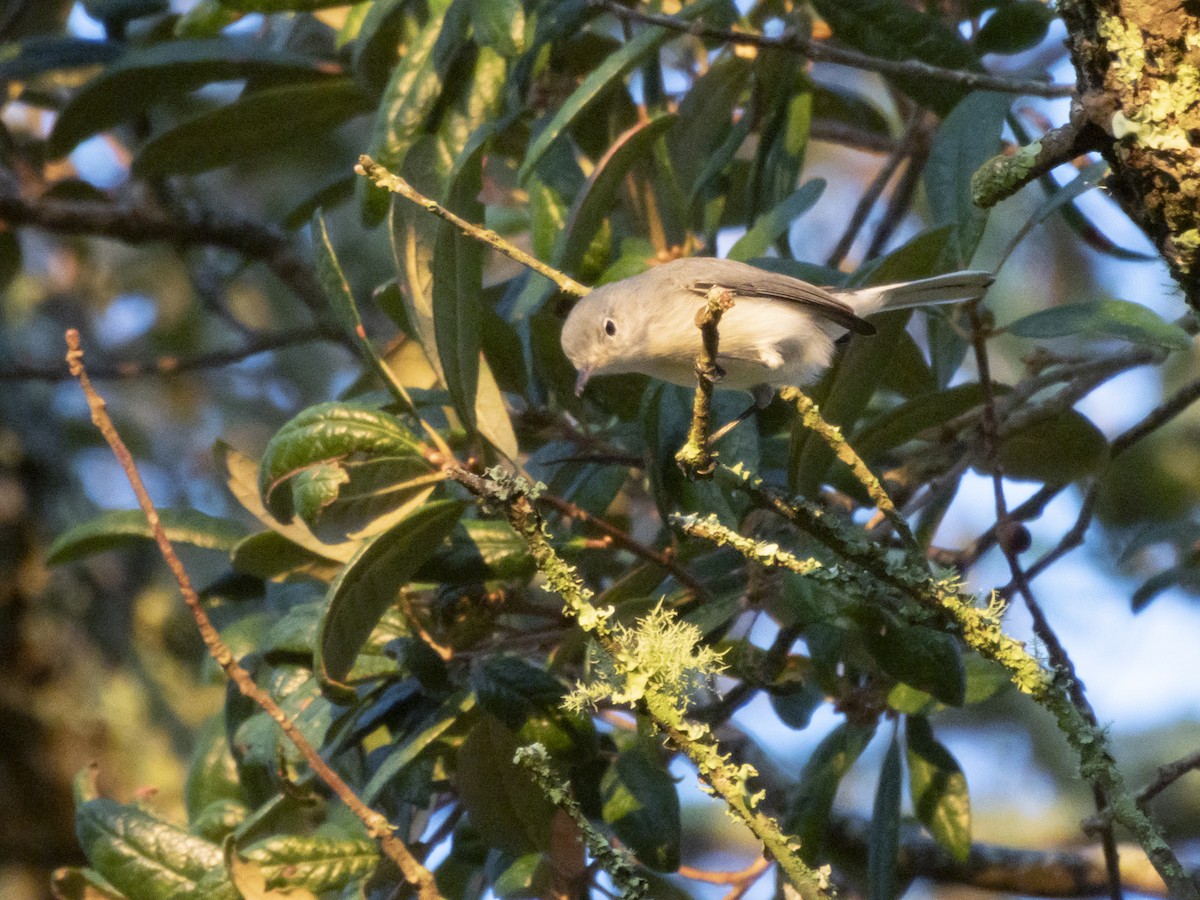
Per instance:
{"type": "Point", "coordinates": [980, 627]}
{"type": "Point", "coordinates": [615, 861]}
{"type": "Point", "coordinates": [382, 178]}
{"type": "Point", "coordinates": [649, 667]}
{"type": "Point", "coordinates": [1003, 175]}
{"type": "Point", "coordinates": [811, 418]}
{"type": "Point", "coordinates": [696, 457]}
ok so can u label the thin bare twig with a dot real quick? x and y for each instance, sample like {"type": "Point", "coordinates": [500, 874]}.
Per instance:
{"type": "Point", "coordinates": [376, 824]}
{"type": "Point", "coordinates": [819, 51]}
{"type": "Point", "coordinates": [696, 457]}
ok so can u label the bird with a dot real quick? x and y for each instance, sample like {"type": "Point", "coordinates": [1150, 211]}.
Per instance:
{"type": "Point", "coordinates": [780, 330]}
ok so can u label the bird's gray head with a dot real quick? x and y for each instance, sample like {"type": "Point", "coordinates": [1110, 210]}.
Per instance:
{"type": "Point", "coordinates": [598, 336]}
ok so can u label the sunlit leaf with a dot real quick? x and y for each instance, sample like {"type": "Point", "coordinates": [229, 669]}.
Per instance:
{"type": "Point", "coordinates": [939, 789]}
{"type": "Point", "coordinates": [642, 805]}
{"type": "Point", "coordinates": [1104, 318]}
{"type": "Point", "coordinates": [775, 223]}
{"type": "Point", "coordinates": [120, 528]}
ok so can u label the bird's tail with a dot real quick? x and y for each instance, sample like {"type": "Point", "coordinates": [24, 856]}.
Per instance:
{"type": "Point", "coordinates": [957, 287]}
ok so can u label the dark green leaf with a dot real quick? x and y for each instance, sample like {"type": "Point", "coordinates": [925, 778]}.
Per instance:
{"type": "Point", "coordinates": [479, 550]}
{"type": "Point", "coordinates": [968, 138]}
{"type": "Point", "coordinates": [1104, 318]}
{"type": "Point", "coordinates": [121, 11]}
{"type": "Point", "coordinates": [458, 286]}
{"type": "Point", "coordinates": [1014, 27]}
{"type": "Point", "coordinates": [274, 6]}
{"type": "Point", "coordinates": [939, 789]}
{"type": "Point", "coordinates": [894, 29]}
{"type": "Point", "coordinates": [776, 223]}
{"type": "Point", "coordinates": [212, 772]}
{"type": "Point", "coordinates": [602, 79]}
{"type": "Point", "coordinates": [35, 55]}
{"type": "Point", "coordinates": [906, 421]}
{"type": "Point", "coordinates": [146, 76]}
{"type": "Point", "coordinates": [369, 584]}
{"type": "Point", "coordinates": [82, 884]}
{"type": "Point", "coordinates": [808, 815]}
{"type": "Point", "coordinates": [883, 842]}
{"type": "Point", "coordinates": [921, 657]}
{"type": "Point", "coordinates": [451, 712]}
{"type": "Point", "coordinates": [512, 689]}
{"type": "Point", "coordinates": [594, 202]}
{"type": "Point", "coordinates": [269, 120]}
{"type": "Point", "coordinates": [642, 805]}
{"type": "Point", "coordinates": [120, 528]}
{"type": "Point", "coordinates": [499, 24]}
{"type": "Point", "coordinates": [706, 116]}
{"type": "Point", "coordinates": [1156, 584]}
{"type": "Point", "coordinates": [504, 804]}
{"type": "Point", "coordinates": [1078, 445]}
{"type": "Point", "coordinates": [796, 703]}
{"type": "Point", "coordinates": [529, 876]}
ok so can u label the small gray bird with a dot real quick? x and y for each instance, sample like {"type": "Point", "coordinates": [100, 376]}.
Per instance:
{"type": "Point", "coordinates": [780, 331]}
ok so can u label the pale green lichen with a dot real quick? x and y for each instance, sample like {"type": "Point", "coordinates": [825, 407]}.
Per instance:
{"type": "Point", "coordinates": [1003, 175]}
{"type": "Point", "coordinates": [1125, 41]}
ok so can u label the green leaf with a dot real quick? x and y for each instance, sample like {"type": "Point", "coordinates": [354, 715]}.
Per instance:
{"type": "Point", "coordinates": [906, 421]}
{"type": "Point", "coordinates": [120, 528]}
{"type": "Point", "coordinates": [499, 24]}
{"type": "Point", "coordinates": [603, 78]}
{"type": "Point", "coordinates": [883, 842]}
{"type": "Point", "coordinates": [145, 857]}
{"type": "Point", "coordinates": [274, 6]}
{"type": "Point", "coordinates": [45, 53]}
{"type": "Point", "coordinates": [893, 29]}
{"type": "Point", "coordinates": [212, 772]}
{"type": "Point", "coordinates": [408, 99]}
{"type": "Point", "coordinates": [150, 75]}
{"type": "Point", "coordinates": [969, 137]}
{"type": "Point", "coordinates": [939, 789]}
{"type": "Point", "coordinates": [706, 116]}
{"type": "Point", "coordinates": [594, 202]}
{"type": "Point", "coordinates": [458, 285]}
{"type": "Point", "coordinates": [368, 585]}
{"type": "Point", "coordinates": [122, 11]}
{"type": "Point", "coordinates": [329, 433]}
{"type": "Point", "coordinates": [311, 862]}
{"type": "Point", "coordinates": [776, 223]}
{"type": "Point", "coordinates": [512, 689]}
{"type": "Point", "coordinates": [808, 814]}
{"type": "Point", "coordinates": [921, 657]}
{"type": "Point", "coordinates": [1079, 449]}
{"type": "Point", "coordinates": [642, 805]}
{"type": "Point", "coordinates": [266, 121]}
{"type": "Point", "coordinates": [82, 884]}
{"type": "Point", "coordinates": [453, 711]}
{"type": "Point", "coordinates": [1104, 318]}
{"type": "Point", "coordinates": [505, 806]}
{"type": "Point", "coordinates": [1015, 26]}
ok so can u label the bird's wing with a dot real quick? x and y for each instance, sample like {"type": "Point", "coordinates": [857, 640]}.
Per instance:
{"type": "Point", "coordinates": [773, 286]}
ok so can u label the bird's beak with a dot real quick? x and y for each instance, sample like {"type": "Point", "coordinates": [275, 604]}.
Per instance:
{"type": "Point", "coordinates": [581, 382]}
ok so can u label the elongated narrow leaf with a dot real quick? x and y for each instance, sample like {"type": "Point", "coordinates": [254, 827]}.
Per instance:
{"type": "Point", "coordinates": [412, 91]}
{"type": "Point", "coordinates": [883, 844]}
{"type": "Point", "coordinates": [1104, 318]}
{"type": "Point", "coordinates": [479, 550]}
{"type": "Point", "coordinates": [775, 223]}
{"type": "Point", "coordinates": [452, 712]}
{"type": "Point", "coordinates": [595, 201]}
{"type": "Point", "coordinates": [642, 805]}
{"type": "Point", "coordinates": [457, 289]}
{"type": "Point", "coordinates": [939, 789]}
{"type": "Point", "coordinates": [144, 77]}
{"type": "Point", "coordinates": [312, 862]}
{"type": "Point", "coordinates": [906, 421]}
{"type": "Point", "coordinates": [37, 55]}
{"type": "Point", "coordinates": [120, 528]}
{"type": "Point", "coordinates": [921, 657]}
{"type": "Point", "coordinates": [705, 117]}
{"type": "Point", "coordinates": [1056, 198]}
{"type": "Point", "coordinates": [274, 6]}
{"type": "Point", "coordinates": [1013, 27]}
{"type": "Point", "coordinates": [265, 121]}
{"type": "Point", "coordinates": [969, 136]}
{"type": "Point", "coordinates": [808, 815]}
{"type": "Point", "coordinates": [603, 78]}
{"type": "Point", "coordinates": [369, 585]}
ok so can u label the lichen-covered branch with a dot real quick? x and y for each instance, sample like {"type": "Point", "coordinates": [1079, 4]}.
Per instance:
{"type": "Point", "coordinates": [980, 628]}
{"type": "Point", "coordinates": [393, 183]}
{"type": "Point", "coordinates": [1138, 66]}
{"type": "Point", "coordinates": [649, 667]}
{"type": "Point", "coordinates": [811, 418]}
{"type": "Point", "coordinates": [614, 860]}
{"type": "Point", "coordinates": [696, 457]}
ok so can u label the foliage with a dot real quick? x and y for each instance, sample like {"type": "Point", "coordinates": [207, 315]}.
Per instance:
{"type": "Point", "coordinates": [427, 627]}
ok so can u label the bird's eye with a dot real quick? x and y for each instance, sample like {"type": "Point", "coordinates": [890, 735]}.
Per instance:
{"type": "Point", "coordinates": [610, 327]}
